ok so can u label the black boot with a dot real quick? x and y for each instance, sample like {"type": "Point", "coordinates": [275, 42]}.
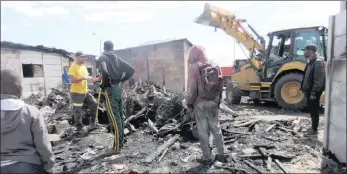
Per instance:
{"type": "Point", "coordinates": [311, 132]}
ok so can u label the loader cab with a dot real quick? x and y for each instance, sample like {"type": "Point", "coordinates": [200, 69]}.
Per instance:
{"type": "Point", "coordinates": [279, 51]}
{"type": "Point", "coordinates": [317, 36]}
{"type": "Point", "coordinates": [286, 46]}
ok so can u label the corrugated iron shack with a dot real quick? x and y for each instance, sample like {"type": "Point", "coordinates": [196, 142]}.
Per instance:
{"type": "Point", "coordinates": [40, 67]}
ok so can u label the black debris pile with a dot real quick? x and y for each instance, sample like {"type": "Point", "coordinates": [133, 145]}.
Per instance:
{"type": "Point", "coordinates": [161, 136]}
{"type": "Point", "coordinates": [163, 111]}
{"type": "Point", "coordinates": [56, 106]}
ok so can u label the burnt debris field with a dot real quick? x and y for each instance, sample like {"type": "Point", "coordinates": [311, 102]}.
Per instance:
{"type": "Point", "coordinates": [161, 137]}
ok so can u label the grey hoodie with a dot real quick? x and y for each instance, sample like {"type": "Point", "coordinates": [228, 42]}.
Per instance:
{"type": "Point", "coordinates": [24, 135]}
{"type": "Point", "coordinates": [113, 66]}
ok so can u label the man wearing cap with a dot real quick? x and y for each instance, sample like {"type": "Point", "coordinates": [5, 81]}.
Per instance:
{"type": "Point", "coordinates": [313, 84]}
{"type": "Point", "coordinates": [112, 69]}
{"type": "Point", "coordinates": [79, 91]}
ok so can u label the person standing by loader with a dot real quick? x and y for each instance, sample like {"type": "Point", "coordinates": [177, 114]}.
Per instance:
{"type": "Point", "coordinates": [205, 86]}
{"type": "Point", "coordinates": [112, 69]}
{"type": "Point", "coordinates": [313, 84]}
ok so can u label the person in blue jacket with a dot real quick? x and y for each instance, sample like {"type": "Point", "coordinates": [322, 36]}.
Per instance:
{"type": "Point", "coordinates": [66, 79]}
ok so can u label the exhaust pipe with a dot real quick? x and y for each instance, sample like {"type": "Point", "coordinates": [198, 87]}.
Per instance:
{"type": "Point", "coordinates": [210, 18]}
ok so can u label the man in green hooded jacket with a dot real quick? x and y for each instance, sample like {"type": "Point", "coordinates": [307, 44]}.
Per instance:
{"type": "Point", "coordinates": [112, 69]}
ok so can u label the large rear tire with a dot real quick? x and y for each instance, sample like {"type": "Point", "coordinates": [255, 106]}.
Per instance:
{"type": "Point", "coordinates": [287, 92]}
{"type": "Point", "coordinates": [233, 93]}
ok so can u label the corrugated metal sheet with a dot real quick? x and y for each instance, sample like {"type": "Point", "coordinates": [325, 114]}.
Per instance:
{"type": "Point", "coordinates": [14, 55]}
{"type": "Point", "coordinates": [41, 48]}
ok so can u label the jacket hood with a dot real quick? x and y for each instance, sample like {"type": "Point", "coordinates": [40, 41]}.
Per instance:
{"type": "Point", "coordinates": [109, 53]}
{"type": "Point", "coordinates": [11, 112]}
{"type": "Point", "coordinates": [112, 57]}
{"type": "Point", "coordinates": [197, 54]}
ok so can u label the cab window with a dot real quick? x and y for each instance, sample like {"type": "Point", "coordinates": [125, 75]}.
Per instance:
{"type": "Point", "coordinates": [280, 47]}
{"type": "Point", "coordinates": [304, 38]}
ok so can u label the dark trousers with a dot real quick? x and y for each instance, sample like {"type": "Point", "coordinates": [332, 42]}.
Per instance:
{"type": "Point", "coordinates": [313, 107]}
{"type": "Point", "coordinates": [114, 110]}
{"type": "Point", "coordinates": [84, 99]}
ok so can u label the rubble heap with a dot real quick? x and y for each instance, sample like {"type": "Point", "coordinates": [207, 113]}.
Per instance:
{"type": "Point", "coordinates": [163, 111]}
{"type": "Point", "coordinates": [161, 137]}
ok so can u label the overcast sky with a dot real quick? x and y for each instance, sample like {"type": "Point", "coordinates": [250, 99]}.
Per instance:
{"type": "Point", "coordinates": [69, 25]}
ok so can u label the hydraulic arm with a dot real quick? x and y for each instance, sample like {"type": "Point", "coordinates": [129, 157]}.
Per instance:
{"type": "Point", "coordinates": [219, 18]}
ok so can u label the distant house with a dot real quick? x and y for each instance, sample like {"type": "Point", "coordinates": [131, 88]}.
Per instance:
{"type": "Point", "coordinates": [160, 62]}
{"type": "Point", "coordinates": [40, 67]}
{"type": "Point", "coordinates": [226, 73]}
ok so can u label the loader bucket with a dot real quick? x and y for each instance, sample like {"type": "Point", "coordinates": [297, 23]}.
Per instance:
{"type": "Point", "coordinates": [209, 16]}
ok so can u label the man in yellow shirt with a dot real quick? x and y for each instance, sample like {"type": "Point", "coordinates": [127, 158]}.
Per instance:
{"type": "Point", "coordinates": [79, 91]}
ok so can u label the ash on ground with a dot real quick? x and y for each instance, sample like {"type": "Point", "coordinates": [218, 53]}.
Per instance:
{"type": "Point", "coordinates": [161, 137]}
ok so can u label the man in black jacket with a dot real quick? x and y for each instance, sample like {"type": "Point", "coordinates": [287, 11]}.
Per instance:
{"type": "Point", "coordinates": [112, 69]}
{"type": "Point", "coordinates": [313, 84]}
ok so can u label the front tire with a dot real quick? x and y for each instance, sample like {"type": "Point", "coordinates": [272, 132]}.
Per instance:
{"type": "Point", "coordinates": [233, 93]}
{"type": "Point", "coordinates": [287, 94]}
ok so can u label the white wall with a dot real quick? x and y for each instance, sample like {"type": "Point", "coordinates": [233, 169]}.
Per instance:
{"type": "Point", "coordinates": [53, 65]}
{"type": "Point", "coordinates": [34, 85]}
{"type": "Point", "coordinates": [13, 59]}
{"type": "Point", "coordinates": [53, 69]}
{"type": "Point", "coordinates": [335, 112]}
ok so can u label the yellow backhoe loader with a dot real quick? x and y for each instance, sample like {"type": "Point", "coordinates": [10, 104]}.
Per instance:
{"type": "Point", "coordinates": [274, 73]}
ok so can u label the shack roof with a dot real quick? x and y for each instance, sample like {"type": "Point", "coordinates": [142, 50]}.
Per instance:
{"type": "Point", "coordinates": [41, 48]}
